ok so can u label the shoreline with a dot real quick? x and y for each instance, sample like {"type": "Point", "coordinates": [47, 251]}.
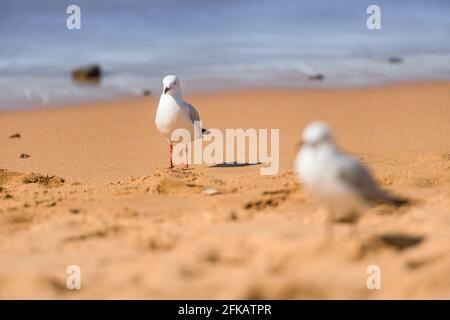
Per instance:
{"type": "Point", "coordinates": [319, 86]}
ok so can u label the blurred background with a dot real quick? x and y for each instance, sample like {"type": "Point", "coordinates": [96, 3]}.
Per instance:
{"type": "Point", "coordinates": [215, 45]}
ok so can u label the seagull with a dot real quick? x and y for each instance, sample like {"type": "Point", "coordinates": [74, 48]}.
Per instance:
{"type": "Point", "coordinates": [174, 113]}
{"type": "Point", "coordinates": [343, 184]}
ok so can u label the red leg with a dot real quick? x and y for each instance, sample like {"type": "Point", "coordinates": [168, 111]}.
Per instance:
{"type": "Point", "coordinates": [170, 150]}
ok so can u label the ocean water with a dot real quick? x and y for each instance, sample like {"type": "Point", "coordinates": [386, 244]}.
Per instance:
{"type": "Point", "coordinates": [214, 45]}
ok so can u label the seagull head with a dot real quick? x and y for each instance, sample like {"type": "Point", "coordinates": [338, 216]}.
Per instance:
{"type": "Point", "coordinates": [171, 85]}
{"type": "Point", "coordinates": [317, 134]}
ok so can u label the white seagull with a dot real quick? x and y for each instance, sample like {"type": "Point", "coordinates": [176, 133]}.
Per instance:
{"type": "Point", "coordinates": [174, 113]}
{"type": "Point", "coordinates": [343, 184]}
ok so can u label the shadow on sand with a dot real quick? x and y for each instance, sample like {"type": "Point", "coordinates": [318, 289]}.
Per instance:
{"type": "Point", "coordinates": [234, 165]}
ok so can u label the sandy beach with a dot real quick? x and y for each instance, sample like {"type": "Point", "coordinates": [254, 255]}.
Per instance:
{"type": "Point", "coordinates": [95, 192]}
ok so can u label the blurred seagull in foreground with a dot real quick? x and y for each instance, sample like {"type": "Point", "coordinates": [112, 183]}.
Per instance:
{"type": "Point", "coordinates": [174, 113]}
{"type": "Point", "coordinates": [343, 184]}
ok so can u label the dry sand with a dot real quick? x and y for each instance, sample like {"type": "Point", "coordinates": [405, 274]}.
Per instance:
{"type": "Point", "coordinates": [94, 193]}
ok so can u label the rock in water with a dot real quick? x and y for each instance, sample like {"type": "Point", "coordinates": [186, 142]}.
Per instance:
{"type": "Point", "coordinates": [90, 74]}
{"type": "Point", "coordinates": [395, 60]}
{"type": "Point", "coordinates": [317, 76]}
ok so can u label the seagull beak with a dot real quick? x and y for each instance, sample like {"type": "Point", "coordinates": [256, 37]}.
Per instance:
{"type": "Point", "coordinates": [166, 89]}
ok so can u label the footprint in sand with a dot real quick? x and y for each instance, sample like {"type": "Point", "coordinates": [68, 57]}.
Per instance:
{"type": "Point", "coordinates": [20, 189]}
{"type": "Point", "coordinates": [269, 199]}
{"type": "Point", "coordinates": [12, 177]}
{"type": "Point", "coordinates": [178, 181]}
{"type": "Point", "coordinates": [95, 234]}
{"type": "Point", "coordinates": [164, 242]}
{"type": "Point", "coordinates": [395, 241]}
{"type": "Point", "coordinates": [414, 264]}
{"type": "Point", "coordinates": [426, 182]}
{"type": "Point", "coordinates": [285, 290]}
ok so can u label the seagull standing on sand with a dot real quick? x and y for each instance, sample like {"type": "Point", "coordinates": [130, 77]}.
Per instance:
{"type": "Point", "coordinates": [340, 182]}
{"type": "Point", "coordinates": [174, 113]}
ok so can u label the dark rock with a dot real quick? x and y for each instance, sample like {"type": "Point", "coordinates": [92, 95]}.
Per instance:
{"type": "Point", "coordinates": [395, 60]}
{"type": "Point", "coordinates": [317, 76]}
{"type": "Point", "coordinates": [24, 156]}
{"type": "Point", "coordinates": [74, 211]}
{"type": "Point", "coordinates": [89, 74]}
{"type": "Point", "coordinates": [233, 216]}
{"type": "Point", "coordinates": [15, 135]}
{"type": "Point", "coordinates": [146, 93]}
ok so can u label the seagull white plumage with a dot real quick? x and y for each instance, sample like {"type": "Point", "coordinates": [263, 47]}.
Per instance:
{"type": "Point", "coordinates": [343, 184]}
{"type": "Point", "coordinates": [174, 113]}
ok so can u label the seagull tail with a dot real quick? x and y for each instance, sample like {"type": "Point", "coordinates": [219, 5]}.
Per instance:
{"type": "Point", "coordinates": [205, 131]}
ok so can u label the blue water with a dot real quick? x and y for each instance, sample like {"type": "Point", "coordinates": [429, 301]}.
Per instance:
{"type": "Point", "coordinates": [215, 45]}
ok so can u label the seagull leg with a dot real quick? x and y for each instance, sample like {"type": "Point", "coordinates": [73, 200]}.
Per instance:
{"type": "Point", "coordinates": [171, 151]}
{"type": "Point", "coordinates": [186, 165]}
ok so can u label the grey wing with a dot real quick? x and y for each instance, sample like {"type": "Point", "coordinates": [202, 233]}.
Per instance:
{"type": "Point", "coordinates": [355, 175]}
{"type": "Point", "coordinates": [193, 114]}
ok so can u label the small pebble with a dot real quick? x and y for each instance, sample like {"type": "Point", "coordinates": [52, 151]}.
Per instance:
{"type": "Point", "coordinates": [233, 215]}
{"type": "Point", "coordinates": [211, 191]}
